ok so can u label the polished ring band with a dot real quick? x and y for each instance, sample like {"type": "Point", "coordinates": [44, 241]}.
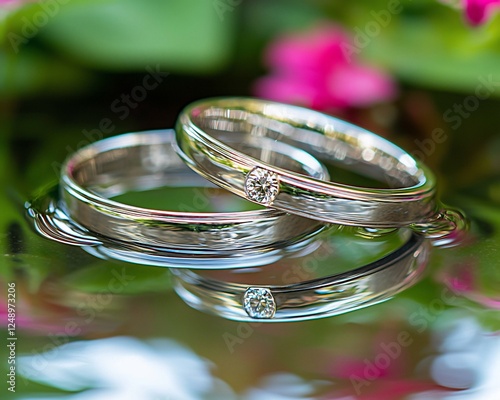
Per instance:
{"type": "Point", "coordinates": [317, 298]}
{"type": "Point", "coordinates": [147, 160]}
{"type": "Point", "coordinates": [203, 128]}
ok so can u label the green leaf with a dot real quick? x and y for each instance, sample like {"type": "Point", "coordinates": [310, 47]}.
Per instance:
{"type": "Point", "coordinates": [441, 53]}
{"type": "Point", "coordinates": [99, 277]}
{"type": "Point", "coordinates": [31, 71]}
{"type": "Point", "coordinates": [178, 35]}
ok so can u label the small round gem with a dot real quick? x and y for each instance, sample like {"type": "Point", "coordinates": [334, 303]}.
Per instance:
{"type": "Point", "coordinates": [262, 185]}
{"type": "Point", "coordinates": [259, 303]}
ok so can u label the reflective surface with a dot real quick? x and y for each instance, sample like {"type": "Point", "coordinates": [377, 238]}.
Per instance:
{"type": "Point", "coordinates": [88, 328]}
{"type": "Point", "coordinates": [82, 211]}
{"type": "Point", "coordinates": [288, 298]}
{"type": "Point", "coordinates": [95, 329]}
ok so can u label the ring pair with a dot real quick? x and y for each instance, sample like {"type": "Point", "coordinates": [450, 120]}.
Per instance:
{"type": "Point", "coordinates": [271, 154]}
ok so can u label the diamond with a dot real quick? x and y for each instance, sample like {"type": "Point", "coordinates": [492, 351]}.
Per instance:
{"type": "Point", "coordinates": [259, 303]}
{"type": "Point", "coordinates": [262, 186]}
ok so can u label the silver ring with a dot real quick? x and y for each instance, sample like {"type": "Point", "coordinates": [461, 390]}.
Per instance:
{"type": "Point", "coordinates": [140, 161]}
{"type": "Point", "coordinates": [311, 299]}
{"type": "Point", "coordinates": [203, 128]}
{"type": "Point", "coordinates": [51, 222]}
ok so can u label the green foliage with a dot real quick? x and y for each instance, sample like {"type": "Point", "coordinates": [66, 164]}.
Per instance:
{"type": "Point", "coordinates": [89, 46]}
{"type": "Point", "coordinates": [96, 278]}
{"type": "Point", "coordinates": [439, 54]}
{"type": "Point", "coordinates": [33, 71]}
{"type": "Point", "coordinates": [126, 35]}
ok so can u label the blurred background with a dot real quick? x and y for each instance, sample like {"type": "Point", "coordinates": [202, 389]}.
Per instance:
{"type": "Point", "coordinates": [424, 74]}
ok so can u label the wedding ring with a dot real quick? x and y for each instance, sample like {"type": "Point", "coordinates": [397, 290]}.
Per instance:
{"type": "Point", "coordinates": [92, 176]}
{"type": "Point", "coordinates": [313, 298]}
{"type": "Point", "coordinates": [51, 222]}
{"type": "Point", "coordinates": [204, 127]}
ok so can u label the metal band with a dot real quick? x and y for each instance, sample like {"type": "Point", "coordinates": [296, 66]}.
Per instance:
{"type": "Point", "coordinates": [204, 127]}
{"type": "Point", "coordinates": [51, 222]}
{"type": "Point", "coordinates": [317, 298]}
{"type": "Point", "coordinates": [139, 161]}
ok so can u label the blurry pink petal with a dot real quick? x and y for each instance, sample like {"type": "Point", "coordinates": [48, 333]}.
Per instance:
{"type": "Point", "coordinates": [14, 3]}
{"type": "Point", "coordinates": [27, 321]}
{"type": "Point", "coordinates": [361, 86]}
{"type": "Point", "coordinates": [463, 282]}
{"type": "Point", "coordinates": [485, 300]}
{"type": "Point", "coordinates": [478, 11]}
{"type": "Point", "coordinates": [398, 389]}
{"type": "Point", "coordinates": [285, 90]}
{"type": "Point", "coordinates": [349, 367]}
{"type": "Point", "coordinates": [312, 69]}
{"type": "Point", "coordinates": [309, 50]}
{"type": "Point", "coordinates": [462, 279]}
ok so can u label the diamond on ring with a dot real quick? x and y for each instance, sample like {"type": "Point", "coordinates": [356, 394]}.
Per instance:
{"type": "Point", "coordinates": [262, 186]}
{"type": "Point", "coordinates": [259, 303]}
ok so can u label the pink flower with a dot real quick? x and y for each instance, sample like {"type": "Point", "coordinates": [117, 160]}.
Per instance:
{"type": "Point", "coordinates": [478, 11]}
{"type": "Point", "coordinates": [315, 69]}
{"type": "Point", "coordinates": [13, 3]}
{"type": "Point", "coordinates": [371, 381]}
{"type": "Point", "coordinates": [462, 280]}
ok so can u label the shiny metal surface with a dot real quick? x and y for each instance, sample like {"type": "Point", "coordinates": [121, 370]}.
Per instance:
{"type": "Point", "coordinates": [51, 221]}
{"type": "Point", "coordinates": [85, 216]}
{"type": "Point", "coordinates": [316, 298]}
{"type": "Point", "coordinates": [203, 128]}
